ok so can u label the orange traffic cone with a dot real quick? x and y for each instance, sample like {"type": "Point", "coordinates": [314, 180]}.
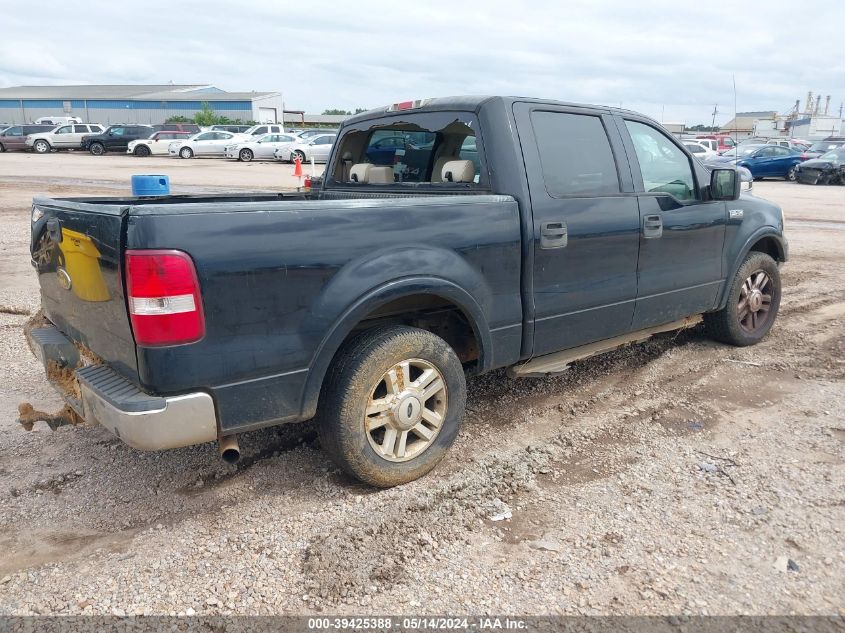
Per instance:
{"type": "Point", "coordinates": [297, 167]}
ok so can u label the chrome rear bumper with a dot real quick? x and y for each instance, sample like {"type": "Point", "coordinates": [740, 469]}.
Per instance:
{"type": "Point", "coordinates": [141, 420]}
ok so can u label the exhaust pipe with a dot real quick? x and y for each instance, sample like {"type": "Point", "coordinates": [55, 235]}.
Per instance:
{"type": "Point", "coordinates": [229, 449]}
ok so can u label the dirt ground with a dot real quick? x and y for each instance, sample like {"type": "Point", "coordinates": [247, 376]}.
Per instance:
{"type": "Point", "coordinates": [676, 476]}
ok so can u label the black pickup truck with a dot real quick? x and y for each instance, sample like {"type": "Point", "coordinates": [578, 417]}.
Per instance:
{"type": "Point", "coordinates": [448, 237]}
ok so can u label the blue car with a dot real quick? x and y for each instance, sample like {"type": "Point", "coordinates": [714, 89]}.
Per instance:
{"type": "Point", "coordinates": [763, 161]}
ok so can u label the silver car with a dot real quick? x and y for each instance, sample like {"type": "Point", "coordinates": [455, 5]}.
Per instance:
{"type": "Point", "coordinates": [202, 144]}
{"type": "Point", "coordinates": [263, 148]}
{"type": "Point", "coordinates": [317, 147]}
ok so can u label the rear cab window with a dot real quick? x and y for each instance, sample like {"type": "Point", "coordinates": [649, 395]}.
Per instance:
{"type": "Point", "coordinates": [412, 149]}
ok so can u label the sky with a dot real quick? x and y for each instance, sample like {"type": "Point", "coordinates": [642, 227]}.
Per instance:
{"type": "Point", "coordinates": [674, 61]}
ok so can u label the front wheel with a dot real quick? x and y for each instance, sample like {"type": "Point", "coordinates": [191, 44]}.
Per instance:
{"type": "Point", "coordinates": [792, 174]}
{"type": "Point", "coordinates": [142, 150]}
{"type": "Point", "coordinates": [298, 154]}
{"type": "Point", "coordinates": [186, 152]}
{"type": "Point", "coordinates": [41, 147]}
{"type": "Point", "coordinates": [245, 155]}
{"type": "Point", "coordinates": [97, 149]}
{"type": "Point", "coordinates": [752, 304]}
{"type": "Point", "coordinates": [392, 404]}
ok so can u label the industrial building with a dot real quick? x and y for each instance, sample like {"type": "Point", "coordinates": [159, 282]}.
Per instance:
{"type": "Point", "coordinates": [151, 104]}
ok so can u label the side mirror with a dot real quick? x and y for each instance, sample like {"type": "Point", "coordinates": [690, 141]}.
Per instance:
{"type": "Point", "coordinates": [725, 184]}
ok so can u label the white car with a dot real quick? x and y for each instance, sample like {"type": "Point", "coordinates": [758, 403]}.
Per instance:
{"type": "Point", "coordinates": [700, 150]}
{"type": "Point", "coordinates": [263, 148]}
{"type": "Point", "coordinates": [202, 144]}
{"type": "Point", "coordinates": [62, 137]}
{"type": "Point", "coordinates": [156, 145]}
{"type": "Point", "coordinates": [317, 147]}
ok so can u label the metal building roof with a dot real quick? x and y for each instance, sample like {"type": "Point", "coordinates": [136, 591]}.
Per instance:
{"type": "Point", "coordinates": [155, 92]}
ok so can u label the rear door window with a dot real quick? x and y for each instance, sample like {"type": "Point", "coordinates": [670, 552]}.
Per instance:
{"type": "Point", "coordinates": [575, 154]}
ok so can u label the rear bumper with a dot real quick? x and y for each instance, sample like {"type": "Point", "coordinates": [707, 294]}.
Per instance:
{"type": "Point", "coordinates": [107, 398]}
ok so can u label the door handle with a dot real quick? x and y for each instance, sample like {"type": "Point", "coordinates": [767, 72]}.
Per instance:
{"type": "Point", "coordinates": [652, 227]}
{"type": "Point", "coordinates": [553, 234]}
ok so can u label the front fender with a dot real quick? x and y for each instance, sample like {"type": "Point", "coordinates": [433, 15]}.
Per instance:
{"type": "Point", "coordinates": [756, 236]}
{"type": "Point", "coordinates": [376, 297]}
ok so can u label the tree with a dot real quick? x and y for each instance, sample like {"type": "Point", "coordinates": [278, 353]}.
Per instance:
{"type": "Point", "coordinates": [360, 110]}
{"type": "Point", "coordinates": [206, 115]}
{"type": "Point", "coordinates": [335, 111]}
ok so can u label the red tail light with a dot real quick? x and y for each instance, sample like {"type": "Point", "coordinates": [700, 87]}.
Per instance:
{"type": "Point", "coordinates": [165, 305]}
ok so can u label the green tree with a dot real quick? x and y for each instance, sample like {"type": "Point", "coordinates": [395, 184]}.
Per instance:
{"type": "Point", "coordinates": [206, 115]}
{"type": "Point", "coordinates": [336, 111]}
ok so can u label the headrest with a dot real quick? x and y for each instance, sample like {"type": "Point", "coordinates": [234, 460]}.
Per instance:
{"type": "Point", "coordinates": [458, 171]}
{"type": "Point", "coordinates": [347, 156]}
{"type": "Point", "coordinates": [360, 172]}
{"type": "Point", "coordinates": [381, 175]}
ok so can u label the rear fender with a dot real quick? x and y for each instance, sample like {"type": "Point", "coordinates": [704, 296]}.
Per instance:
{"type": "Point", "coordinates": [366, 284]}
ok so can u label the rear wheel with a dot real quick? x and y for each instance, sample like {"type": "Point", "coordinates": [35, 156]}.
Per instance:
{"type": "Point", "coordinates": [186, 152]}
{"type": "Point", "coordinates": [41, 147]}
{"type": "Point", "coordinates": [752, 304]}
{"type": "Point", "coordinates": [245, 155]}
{"type": "Point", "coordinates": [792, 174]}
{"type": "Point", "coordinates": [392, 404]}
{"type": "Point", "coordinates": [142, 150]}
{"type": "Point", "coordinates": [97, 149]}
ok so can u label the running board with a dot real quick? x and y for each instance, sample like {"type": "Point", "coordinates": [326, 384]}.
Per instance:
{"type": "Point", "coordinates": [559, 361]}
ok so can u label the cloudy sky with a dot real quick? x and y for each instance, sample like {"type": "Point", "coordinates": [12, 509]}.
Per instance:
{"type": "Point", "coordinates": [673, 60]}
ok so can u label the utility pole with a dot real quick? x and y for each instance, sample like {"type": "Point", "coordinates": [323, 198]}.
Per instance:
{"type": "Point", "coordinates": [715, 112]}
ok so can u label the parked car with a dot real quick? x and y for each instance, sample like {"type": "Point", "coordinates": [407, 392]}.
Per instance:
{"type": "Point", "coordinates": [202, 144]}
{"type": "Point", "coordinates": [190, 128]}
{"type": "Point", "coordinates": [116, 138]}
{"type": "Point", "coordinates": [57, 120]}
{"type": "Point", "coordinates": [700, 150]}
{"type": "Point", "coordinates": [368, 302]}
{"type": "Point", "coordinates": [822, 147]}
{"type": "Point", "coordinates": [14, 136]}
{"type": "Point", "coordinates": [306, 134]}
{"type": "Point", "coordinates": [317, 147]}
{"type": "Point", "coordinates": [62, 137]}
{"type": "Point", "coordinates": [725, 141]}
{"type": "Point", "coordinates": [789, 143]}
{"type": "Point", "coordinates": [263, 148]}
{"type": "Point", "coordinates": [763, 161]}
{"type": "Point", "coordinates": [262, 129]}
{"type": "Point", "coordinates": [156, 145]}
{"type": "Point", "coordinates": [709, 143]}
{"type": "Point", "coordinates": [235, 129]}
{"type": "Point", "coordinates": [827, 169]}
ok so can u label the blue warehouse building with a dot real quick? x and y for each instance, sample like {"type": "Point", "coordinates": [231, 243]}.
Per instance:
{"type": "Point", "coordinates": [151, 104]}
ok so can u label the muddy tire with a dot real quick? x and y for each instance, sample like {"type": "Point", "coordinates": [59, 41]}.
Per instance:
{"type": "Point", "coordinates": [752, 304]}
{"type": "Point", "coordinates": [392, 404]}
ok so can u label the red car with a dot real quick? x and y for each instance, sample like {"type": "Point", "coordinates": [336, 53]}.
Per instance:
{"type": "Point", "coordinates": [725, 141]}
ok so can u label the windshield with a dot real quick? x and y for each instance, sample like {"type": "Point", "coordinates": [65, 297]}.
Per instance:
{"type": "Point", "coordinates": [836, 154]}
{"type": "Point", "coordinates": [822, 146]}
{"type": "Point", "coordinates": [411, 148]}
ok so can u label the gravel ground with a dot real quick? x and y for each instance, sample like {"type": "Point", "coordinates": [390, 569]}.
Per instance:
{"type": "Point", "coordinates": [676, 476]}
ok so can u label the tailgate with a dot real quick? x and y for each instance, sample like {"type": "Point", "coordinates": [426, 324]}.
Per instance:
{"type": "Point", "coordinates": [76, 250]}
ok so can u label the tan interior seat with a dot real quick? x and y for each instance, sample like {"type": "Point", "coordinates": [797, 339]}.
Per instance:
{"type": "Point", "coordinates": [437, 170]}
{"type": "Point", "coordinates": [381, 175]}
{"type": "Point", "coordinates": [458, 171]}
{"type": "Point", "coordinates": [360, 172]}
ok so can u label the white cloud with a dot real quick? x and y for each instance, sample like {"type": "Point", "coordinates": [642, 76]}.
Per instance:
{"type": "Point", "coordinates": [670, 59]}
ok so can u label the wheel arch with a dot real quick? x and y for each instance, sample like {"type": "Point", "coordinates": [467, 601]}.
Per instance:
{"type": "Point", "coordinates": [374, 307]}
{"type": "Point", "coordinates": [765, 240]}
